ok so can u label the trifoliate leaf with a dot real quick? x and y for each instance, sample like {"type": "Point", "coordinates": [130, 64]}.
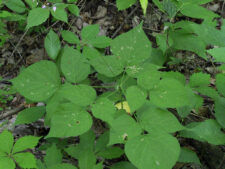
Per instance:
{"type": "Point", "coordinates": [36, 17]}
{"type": "Point", "coordinates": [70, 37]}
{"type": "Point", "coordinates": [132, 47]}
{"type": "Point", "coordinates": [152, 118]}
{"type": "Point", "coordinates": [121, 4]}
{"type": "Point", "coordinates": [109, 66]}
{"type": "Point", "coordinates": [169, 93]}
{"type": "Point", "coordinates": [74, 66]}
{"type": "Point", "coordinates": [39, 81]}
{"type": "Point", "coordinates": [188, 156]}
{"type": "Point", "coordinates": [123, 128]}
{"type": "Point", "coordinates": [6, 141]}
{"type": "Point", "coordinates": [30, 115]}
{"type": "Point", "coordinates": [52, 44]}
{"type": "Point", "coordinates": [53, 156]}
{"type": "Point", "coordinates": [208, 131]}
{"type": "Point", "coordinates": [152, 150]}
{"type": "Point", "coordinates": [6, 162]}
{"type": "Point", "coordinates": [69, 120]}
{"type": "Point", "coordinates": [135, 97]}
{"type": "Point", "coordinates": [24, 143]}
{"type": "Point", "coordinates": [25, 160]}
{"type": "Point", "coordinates": [104, 109]}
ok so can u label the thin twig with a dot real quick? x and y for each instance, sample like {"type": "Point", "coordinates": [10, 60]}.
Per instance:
{"type": "Point", "coordinates": [17, 45]}
{"type": "Point", "coordinates": [121, 26]}
{"type": "Point", "coordinates": [5, 114]}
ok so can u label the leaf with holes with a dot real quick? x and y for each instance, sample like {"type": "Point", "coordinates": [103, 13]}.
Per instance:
{"type": "Point", "coordinates": [123, 128]}
{"type": "Point", "coordinates": [69, 120]}
{"type": "Point", "coordinates": [39, 81]}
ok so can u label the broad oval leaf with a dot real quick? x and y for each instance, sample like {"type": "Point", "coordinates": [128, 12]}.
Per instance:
{"type": "Point", "coordinates": [36, 17]}
{"type": "Point", "coordinates": [69, 120]}
{"type": "Point", "coordinates": [152, 150]}
{"type": "Point", "coordinates": [123, 4]}
{"type": "Point", "coordinates": [15, 5]}
{"type": "Point", "coordinates": [52, 44]}
{"type": "Point", "coordinates": [74, 66]}
{"type": "Point", "coordinates": [25, 160]}
{"type": "Point", "coordinates": [70, 37]}
{"type": "Point", "coordinates": [109, 66]}
{"type": "Point", "coordinates": [30, 115]}
{"type": "Point", "coordinates": [39, 81]}
{"type": "Point", "coordinates": [6, 162]}
{"type": "Point", "coordinates": [6, 141]}
{"type": "Point", "coordinates": [188, 156]}
{"type": "Point", "coordinates": [58, 12]}
{"type": "Point", "coordinates": [169, 93]}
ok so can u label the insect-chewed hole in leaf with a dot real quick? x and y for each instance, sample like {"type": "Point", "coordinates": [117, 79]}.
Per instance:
{"type": "Point", "coordinates": [125, 136]}
{"type": "Point", "coordinates": [77, 122]}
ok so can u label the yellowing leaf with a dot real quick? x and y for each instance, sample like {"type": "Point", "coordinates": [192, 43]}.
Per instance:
{"type": "Point", "coordinates": [123, 105]}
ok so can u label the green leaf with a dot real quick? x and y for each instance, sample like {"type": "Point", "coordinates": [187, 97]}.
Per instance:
{"type": "Point", "coordinates": [218, 54]}
{"type": "Point", "coordinates": [148, 79]}
{"type": "Point", "coordinates": [74, 9]}
{"type": "Point", "coordinates": [196, 11]}
{"type": "Point", "coordinates": [32, 3]}
{"type": "Point", "coordinates": [219, 111]}
{"type": "Point", "coordinates": [199, 80]}
{"type": "Point", "coordinates": [63, 166]}
{"type": "Point", "coordinates": [111, 153]}
{"type": "Point", "coordinates": [30, 115]}
{"type": "Point", "coordinates": [81, 95]}
{"type": "Point", "coordinates": [74, 66]}
{"type": "Point", "coordinates": [122, 4]}
{"type": "Point", "coordinates": [70, 37]}
{"type": "Point", "coordinates": [132, 47]}
{"type": "Point", "coordinates": [135, 97]}
{"type": "Point", "coordinates": [6, 141]}
{"type": "Point", "coordinates": [122, 165]}
{"type": "Point", "coordinates": [52, 44]}
{"type": "Point", "coordinates": [208, 131]}
{"type": "Point", "coordinates": [152, 150]}
{"type": "Point", "coordinates": [7, 163]}
{"type": "Point", "coordinates": [144, 5]}
{"type": "Point", "coordinates": [152, 118]}
{"type": "Point", "coordinates": [69, 120]}
{"type": "Point", "coordinates": [53, 156]}
{"type": "Point", "coordinates": [174, 75]}
{"type": "Point", "coordinates": [36, 17]}
{"type": "Point", "coordinates": [100, 42]}
{"type": "Point", "coordinates": [89, 32]}
{"type": "Point", "coordinates": [84, 151]}
{"type": "Point", "coordinates": [90, 53]}
{"type": "Point", "coordinates": [59, 13]}
{"type": "Point", "coordinates": [25, 160]}
{"type": "Point", "coordinates": [169, 93]}
{"type": "Point", "coordinates": [39, 81]}
{"type": "Point", "coordinates": [15, 5]}
{"type": "Point", "coordinates": [188, 156]}
{"type": "Point", "coordinates": [170, 8]}
{"type": "Point", "coordinates": [26, 142]}
{"type": "Point", "coordinates": [123, 128]}
{"type": "Point", "coordinates": [109, 66]}
{"type": "Point", "coordinates": [102, 142]}
{"type": "Point", "coordinates": [104, 109]}
{"type": "Point", "coordinates": [220, 81]}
